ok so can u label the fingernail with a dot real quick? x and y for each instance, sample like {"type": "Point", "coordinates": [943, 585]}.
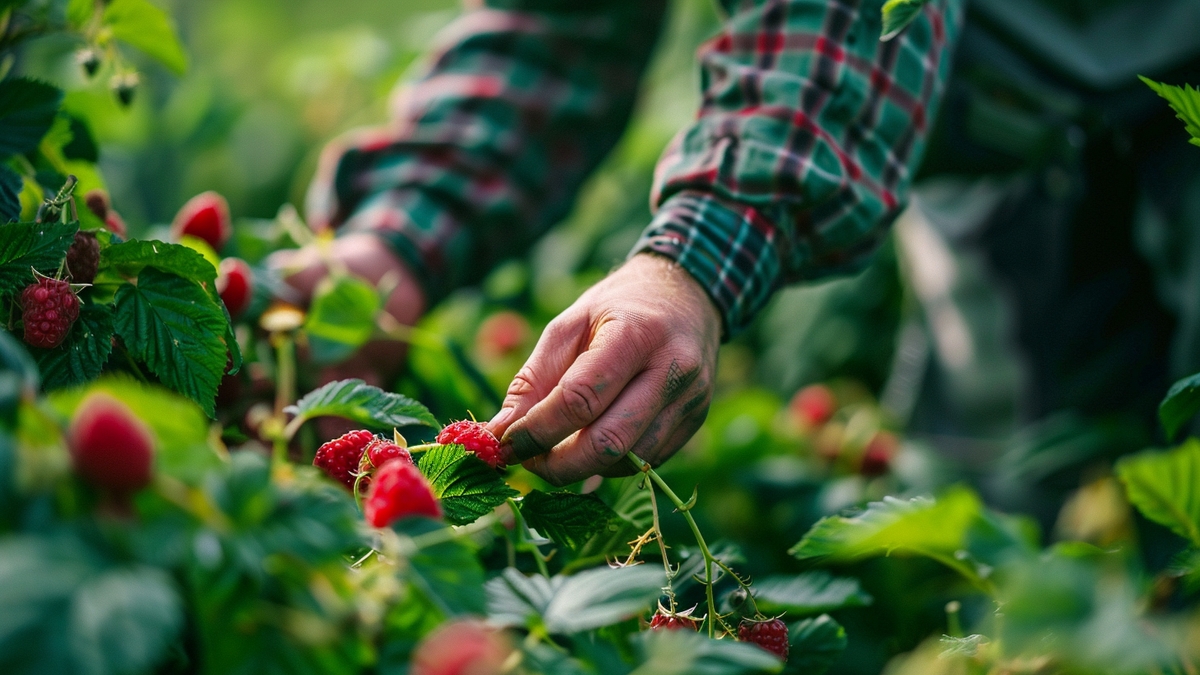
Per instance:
{"type": "Point", "coordinates": [522, 444]}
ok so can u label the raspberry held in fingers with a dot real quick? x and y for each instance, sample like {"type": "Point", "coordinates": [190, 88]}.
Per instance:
{"type": "Point", "coordinates": [475, 438]}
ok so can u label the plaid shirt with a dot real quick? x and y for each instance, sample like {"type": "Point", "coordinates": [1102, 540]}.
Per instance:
{"type": "Point", "coordinates": [801, 154]}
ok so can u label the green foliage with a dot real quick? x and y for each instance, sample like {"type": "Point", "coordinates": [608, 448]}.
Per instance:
{"type": "Point", "coordinates": [126, 260]}
{"type": "Point", "coordinates": [341, 318]}
{"type": "Point", "coordinates": [82, 356]}
{"type": "Point", "coordinates": [809, 593]}
{"type": "Point", "coordinates": [1165, 487]}
{"type": "Point", "coordinates": [1180, 405]}
{"type": "Point", "coordinates": [11, 185]}
{"type": "Point", "coordinates": [467, 488]}
{"type": "Point", "coordinates": [448, 573]}
{"type": "Point", "coordinates": [172, 325]}
{"type": "Point", "coordinates": [897, 14]}
{"type": "Point", "coordinates": [567, 518]}
{"type": "Point", "coordinates": [1185, 101]}
{"type": "Point", "coordinates": [141, 24]}
{"type": "Point", "coordinates": [28, 246]}
{"type": "Point", "coordinates": [362, 404]}
{"type": "Point", "coordinates": [585, 601]}
{"type": "Point", "coordinates": [27, 110]}
{"type": "Point", "coordinates": [681, 652]}
{"type": "Point", "coordinates": [816, 644]}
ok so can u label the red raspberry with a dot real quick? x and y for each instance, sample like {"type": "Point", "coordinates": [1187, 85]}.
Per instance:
{"type": "Point", "coordinates": [813, 405]}
{"type": "Point", "coordinates": [463, 647]}
{"type": "Point", "coordinates": [501, 334]}
{"type": "Point", "coordinates": [399, 491]}
{"type": "Point", "coordinates": [340, 457]}
{"type": "Point", "coordinates": [877, 457]}
{"type": "Point", "coordinates": [475, 438]}
{"type": "Point", "coordinates": [668, 621]}
{"type": "Point", "coordinates": [83, 258]}
{"type": "Point", "coordinates": [205, 216]}
{"type": "Point", "coordinates": [235, 285]}
{"type": "Point", "coordinates": [49, 309]}
{"type": "Point", "coordinates": [771, 635]}
{"type": "Point", "coordinates": [110, 447]}
{"type": "Point", "coordinates": [378, 452]}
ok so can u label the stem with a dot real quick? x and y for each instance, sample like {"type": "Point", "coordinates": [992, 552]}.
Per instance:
{"type": "Point", "coordinates": [708, 557]}
{"type": "Point", "coordinates": [523, 544]}
{"type": "Point", "coordinates": [451, 533]}
{"type": "Point", "coordinates": [662, 547]}
{"type": "Point", "coordinates": [285, 389]}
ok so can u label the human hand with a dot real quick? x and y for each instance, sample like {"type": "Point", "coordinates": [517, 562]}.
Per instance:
{"type": "Point", "coordinates": [367, 256]}
{"type": "Point", "coordinates": [627, 368]}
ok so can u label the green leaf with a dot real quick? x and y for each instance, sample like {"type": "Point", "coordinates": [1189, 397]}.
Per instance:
{"type": "Point", "coordinates": [936, 529]}
{"type": "Point", "coordinates": [809, 593]}
{"type": "Point", "coordinates": [79, 12]}
{"type": "Point", "coordinates": [27, 109]}
{"type": "Point", "coordinates": [634, 515]}
{"type": "Point", "coordinates": [359, 402]}
{"type": "Point", "coordinates": [897, 14]}
{"type": "Point", "coordinates": [342, 317]}
{"type": "Point", "coordinates": [82, 356]}
{"type": "Point", "coordinates": [448, 573]}
{"type": "Point", "coordinates": [569, 519]}
{"type": "Point", "coordinates": [683, 652]}
{"type": "Point", "coordinates": [467, 488]}
{"type": "Point", "coordinates": [11, 185]}
{"type": "Point", "coordinates": [1180, 405]}
{"type": "Point", "coordinates": [173, 326]}
{"type": "Point", "coordinates": [602, 597]}
{"type": "Point", "coordinates": [144, 26]}
{"type": "Point", "coordinates": [127, 260]}
{"type": "Point", "coordinates": [124, 620]}
{"type": "Point", "coordinates": [1185, 101]}
{"type": "Point", "coordinates": [26, 246]}
{"type": "Point", "coordinates": [514, 599]}
{"type": "Point", "coordinates": [815, 644]}
{"type": "Point", "coordinates": [1165, 487]}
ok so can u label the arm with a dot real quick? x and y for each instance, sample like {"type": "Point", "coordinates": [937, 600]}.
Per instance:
{"type": "Point", "coordinates": [808, 136]}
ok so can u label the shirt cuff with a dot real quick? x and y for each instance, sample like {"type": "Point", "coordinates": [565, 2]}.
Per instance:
{"type": "Point", "coordinates": [730, 248]}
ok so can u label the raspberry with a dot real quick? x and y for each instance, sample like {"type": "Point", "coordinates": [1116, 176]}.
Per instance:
{"type": "Point", "coordinates": [877, 458]}
{"type": "Point", "coordinates": [464, 647]}
{"type": "Point", "coordinates": [664, 620]}
{"type": "Point", "coordinates": [501, 334]}
{"type": "Point", "coordinates": [813, 405]}
{"type": "Point", "coordinates": [397, 491]}
{"type": "Point", "coordinates": [97, 203]}
{"type": "Point", "coordinates": [475, 438]}
{"type": "Point", "coordinates": [205, 216]}
{"type": "Point", "coordinates": [340, 457]}
{"type": "Point", "coordinates": [235, 285]}
{"type": "Point", "coordinates": [771, 635]}
{"type": "Point", "coordinates": [49, 309]}
{"type": "Point", "coordinates": [378, 452]}
{"type": "Point", "coordinates": [116, 224]}
{"type": "Point", "coordinates": [110, 447]}
{"type": "Point", "coordinates": [83, 258]}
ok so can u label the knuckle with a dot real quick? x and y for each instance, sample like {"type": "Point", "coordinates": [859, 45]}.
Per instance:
{"type": "Point", "coordinates": [522, 383]}
{"type": "Point", "coordinates": [609, 444]}
{"type": "Point", "coordinates": [581, 403]}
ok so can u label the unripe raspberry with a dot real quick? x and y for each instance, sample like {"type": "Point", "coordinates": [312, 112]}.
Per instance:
{"type": "Point", "coordinates": [97, 203]}
{"type": "Point", "coordinates": [110, 447]}
{"type": "Point", "coordinates": [398, 490]}
{"type": "Point", "coordinates": [48, 309]}
{"type": "Point", "coordinates": [205, 216]}
{"type": "Point", "coordinates": [83, 258]}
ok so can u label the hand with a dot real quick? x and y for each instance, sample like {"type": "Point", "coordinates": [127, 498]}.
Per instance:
{"type": "Point", "coordinates": [367, 256]}
{"type": "Point", "coordinates": [628, 368]}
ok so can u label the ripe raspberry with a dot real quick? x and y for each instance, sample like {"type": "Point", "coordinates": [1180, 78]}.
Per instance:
{"type": "Point", "coordinates": [205, 216]}
{"type": "Point", "coordinates": [235, 285]}
{"type": "Point", "coordinates": [49, 309]}
{"type": "Point", "coordinates": [110, 447]}
{"type": "Point", "coordinates": [397, 491]}
{"type": "Point", "coordinates": [340, 457]}
{"type": "Point", "coordinates": [663, 620]}
{"type": "Point", "coordinates": [475, 438]}
{"type": "Point", "coordinates": [771, 635]}
{"type": "Point", "coordinates": [464, 647]}
{"type": "Point", "coordinates": [83, 258]}
{"type": "Point", "coordinates": [378, 452]}
{"type": "Point", "coordinates": [813, 405]}
{"type": "Point", "coordinates": [501, 334]}
{"type": "Point", "coordinates": [877, 457]}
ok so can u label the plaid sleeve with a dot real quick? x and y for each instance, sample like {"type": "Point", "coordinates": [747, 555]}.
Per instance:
{"type": "Point", "coordinates": [806, 142]}
{"type": "Point", "coordinates": [487, 149]}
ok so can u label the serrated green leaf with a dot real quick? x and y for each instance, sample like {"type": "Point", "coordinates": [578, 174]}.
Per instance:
{"type": "Point", "coordinates": [467, 488]}
{"type": "Point", "coordinates": [603, 596]}
{"type": "Point", "coordinates": [1180, 405]}
{"type": "Point", "coordinates": [27, 246]}
{"type": "Point", "coordinates": [569, 519]}
{"type": "Point", "coordinates": [82, 356]}
{"type": "Point", "coordinates": [27, 109]}
{"type": "Point", "coordinates": [1185, 101]}
{"type": "Point", "coordinates": [897, 14]}
{"type": "Point", "coordinates": [359, 402]}
{"type": "Point", "coordinates": [172, 325]}
{"type": "Point", "coordinates": [809, 593]}
{"type": "Point", "coordinates": [682, 652]}
{"type": "Point", "coordinates": [127, 260]}
{"type": "Point", "coordinates": [448, 573]}
{"type": "Point", "coordinates": [143, 25]}
{"type": "Point", "coordinates": [815, 644]}
{"type": "Point", "coordinates": [634, 514]}
{"type": "Point", "coordinates": [11, 185]}
{"type": "Point", "coordinates": [123, 621]}
{"type": "Point", "coordinates": [1165, 487]}
{"type": "Point", "coordinates": [341, 318]}
{"type": "Point", "coordinates": [514, 599]}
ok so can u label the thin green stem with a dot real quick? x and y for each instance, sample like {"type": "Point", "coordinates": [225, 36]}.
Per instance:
{"type": "Point", "coordinates": [525, 545]}
{"type": "Point", "coordinates": [662, 546]}
{"type": "Point", "coordinates": [452, 533]}
{"type": "Point", "coordinates": [285, 390]}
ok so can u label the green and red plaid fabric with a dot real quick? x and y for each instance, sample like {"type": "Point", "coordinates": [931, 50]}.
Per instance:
{"type": "Point", "coordinates": [807, 138]}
